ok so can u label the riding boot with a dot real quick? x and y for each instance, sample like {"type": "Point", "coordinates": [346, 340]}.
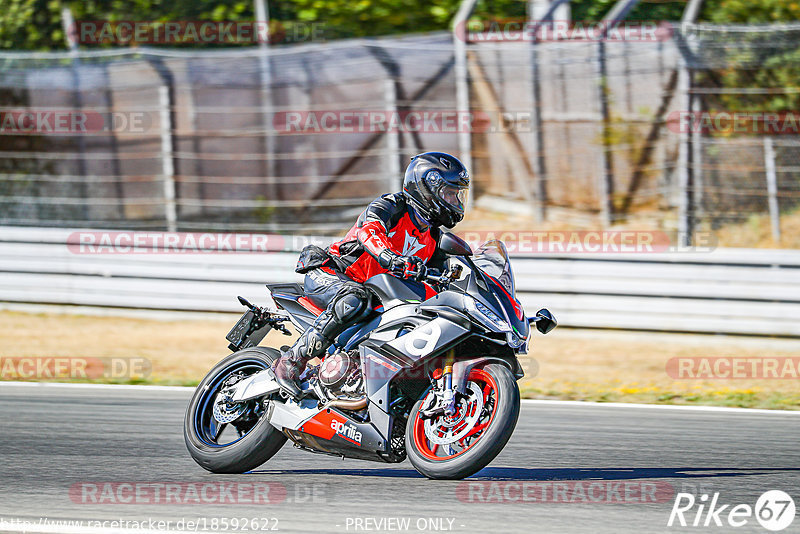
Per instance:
{"type": "Point", "coordinates": [348, 306]}
{"type": "Point", "coordinates": [312, 344]}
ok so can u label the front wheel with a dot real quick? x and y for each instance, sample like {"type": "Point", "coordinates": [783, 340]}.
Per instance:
{"type": "Point", "coordinates": [225, 437]}
{"type": "Point", "coordinates": [454, 447]}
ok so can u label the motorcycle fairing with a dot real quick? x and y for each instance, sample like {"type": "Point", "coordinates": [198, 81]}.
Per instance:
{"type": "Point", "coordinates": [487, 290]}
{"type": "Point", "coordinates": [332, 425]}
{"type": "Point", "coordinates": [393, 291]}
{"type": "Point", "coordinates": [356, 333]}
{"type": "Point", "coordinates": [382, 363]}
{"type": "Point", "coordinates": [427, 339]}
{"type": "Point", "coordinates": [328, 429]}
{"type": "Point", "coordinates": [287, 296]}
{"type": "Point", "coordinates": [511, 308]}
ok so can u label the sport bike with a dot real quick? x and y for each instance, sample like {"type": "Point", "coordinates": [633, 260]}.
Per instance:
{"type": "Point", "coordinates": [432, 379]}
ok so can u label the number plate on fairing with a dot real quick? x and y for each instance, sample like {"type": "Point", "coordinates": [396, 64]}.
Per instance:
{"type": "Point", "coordinates": [428, 338]}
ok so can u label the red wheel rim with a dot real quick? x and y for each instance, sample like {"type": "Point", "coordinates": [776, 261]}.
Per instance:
{"type": "Point", "coordinates": [428, 450]}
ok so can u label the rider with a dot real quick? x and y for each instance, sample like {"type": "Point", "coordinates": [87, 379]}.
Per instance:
{"type": "Point", "coordinates": [397, 233]}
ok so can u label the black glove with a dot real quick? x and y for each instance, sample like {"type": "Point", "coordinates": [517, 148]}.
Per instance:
{"type": "Point", "coordinates": [405, 266]}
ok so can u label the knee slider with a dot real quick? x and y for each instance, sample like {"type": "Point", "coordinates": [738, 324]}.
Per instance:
{"type": "Point", "coordinates": [352, 304]}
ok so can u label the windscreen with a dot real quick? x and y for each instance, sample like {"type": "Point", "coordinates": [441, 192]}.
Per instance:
{"type": "Point", "coordinates": [492, 259]}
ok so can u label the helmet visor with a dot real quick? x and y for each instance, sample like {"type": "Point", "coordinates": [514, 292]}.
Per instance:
{"type": "Point", "coordinates": [455, 197]}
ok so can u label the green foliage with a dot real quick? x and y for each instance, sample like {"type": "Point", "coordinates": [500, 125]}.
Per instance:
{"type": "Point", "coordinates": [30, 25]}
{"type": "Point", "coordinates": [591, 10]}
{"type": "Point", "coordinates": [714, 11]}
{"type": "Point", "coordinates": [36, 24]}
{"type": "Point", "coordinates": [750, 11]}
{"type": "Point", "coordinates": [359, 18]}
{"type": "Point", "coordinates": [770, 60]}
{"type": "Point", "coordinates": [780, 69]}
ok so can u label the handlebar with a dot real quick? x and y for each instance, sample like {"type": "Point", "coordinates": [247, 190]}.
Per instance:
{"type": "Point", "coordinates": [438, 277]}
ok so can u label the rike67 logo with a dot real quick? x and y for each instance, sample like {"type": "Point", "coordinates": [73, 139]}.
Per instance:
{"type": "Point", "coordinates": [774, 510]}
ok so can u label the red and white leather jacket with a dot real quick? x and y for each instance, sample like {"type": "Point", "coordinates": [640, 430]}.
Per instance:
{"type": "Point", "coordinates": [386, 223]}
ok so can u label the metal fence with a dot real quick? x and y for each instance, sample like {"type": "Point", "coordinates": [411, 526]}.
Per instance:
{"type": "Point", "coordinates": [605, 151]}
{"type": "Point", "coordinates": [202, 140]}
{"type": "Point", "coordinates": [738, 169]}
{"type": "Point", "coordinates": [213, 148]}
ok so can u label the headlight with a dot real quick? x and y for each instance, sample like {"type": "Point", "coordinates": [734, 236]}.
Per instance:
{"type": "Point", "coordinates": [488, 317]}
{"type": "Point", "coordinates": [514, 340]}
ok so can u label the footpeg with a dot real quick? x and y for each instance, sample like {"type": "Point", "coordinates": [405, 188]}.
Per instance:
{"type": "Point", "coordinates": [296, 396]}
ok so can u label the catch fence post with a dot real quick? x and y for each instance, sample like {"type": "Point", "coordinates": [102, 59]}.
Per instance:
{"type": "Point", "coordinates": [460, 34]}
{"type": "Point", "coordinates": [392, 136]}
{"type": "Point", "coordinates": [686, 166]}
{"type": "Point", "coordinates": [167, 168]}
{"type": "Point", "coordinates": [606, 157]}
{"type": "Point", "coordinates": [267, 113]}
{"type": "Point", "coordinates": [772, 189]}
{"type": "Point", "coordinates": [537, 153]}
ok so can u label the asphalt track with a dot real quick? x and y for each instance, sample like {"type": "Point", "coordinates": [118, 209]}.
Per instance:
{"type": "Point", "coordinates": [58, 438]}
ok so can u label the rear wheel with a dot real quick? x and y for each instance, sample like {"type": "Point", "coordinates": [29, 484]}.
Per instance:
{"type": "Point", "coordinates": [454, 447]}
{"type": "Point", "coordinates": [225, 437]}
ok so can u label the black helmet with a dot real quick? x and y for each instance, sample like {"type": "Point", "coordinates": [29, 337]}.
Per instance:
{"type": "Point", "coordinates": [436, 184]}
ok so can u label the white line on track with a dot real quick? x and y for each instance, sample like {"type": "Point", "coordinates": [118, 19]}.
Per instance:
{"type": "Point", "coordinates": [684, 407]}
{"type": "Point", "coordinates": [79, 385]}
{"type": "Point", "coordinates": [524, 401]}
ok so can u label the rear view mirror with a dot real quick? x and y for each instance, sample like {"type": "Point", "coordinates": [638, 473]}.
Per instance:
{"type": "Point", "coordinates": [545, 322]}
{"type": "Point", "coordinates": [454, 245]}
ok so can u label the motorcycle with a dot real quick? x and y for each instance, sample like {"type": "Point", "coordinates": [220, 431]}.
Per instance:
{"type": "Point", "coordinates": [430, 379]}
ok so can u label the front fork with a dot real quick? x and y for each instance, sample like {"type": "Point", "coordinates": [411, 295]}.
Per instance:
{"type": "Point", "coordinates": [449, 394]}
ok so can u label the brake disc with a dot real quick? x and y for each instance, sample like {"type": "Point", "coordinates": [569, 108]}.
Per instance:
{"type": "Point", "coordinates": [473, 404]}
{"type": "Point", "coordinates": [224, 412]}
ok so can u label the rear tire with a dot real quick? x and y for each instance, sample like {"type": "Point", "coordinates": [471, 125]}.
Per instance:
{"type": "Point", "coordinates": [488, 445]}
{"type": "Point", "coordinates": [258, 444]}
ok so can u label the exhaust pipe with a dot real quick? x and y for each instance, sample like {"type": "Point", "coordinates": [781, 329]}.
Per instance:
{"type": "Point", "coordinates": [348, 404]}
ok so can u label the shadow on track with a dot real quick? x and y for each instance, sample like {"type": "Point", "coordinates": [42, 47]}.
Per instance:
{"type": "Point", "coordinates": [530, 474]}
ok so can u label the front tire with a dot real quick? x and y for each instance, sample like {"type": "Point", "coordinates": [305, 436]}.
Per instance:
{"type": "Point", "coordinates": [257, 440]}
{"type": "Point", "coordinates": [475, 435]}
